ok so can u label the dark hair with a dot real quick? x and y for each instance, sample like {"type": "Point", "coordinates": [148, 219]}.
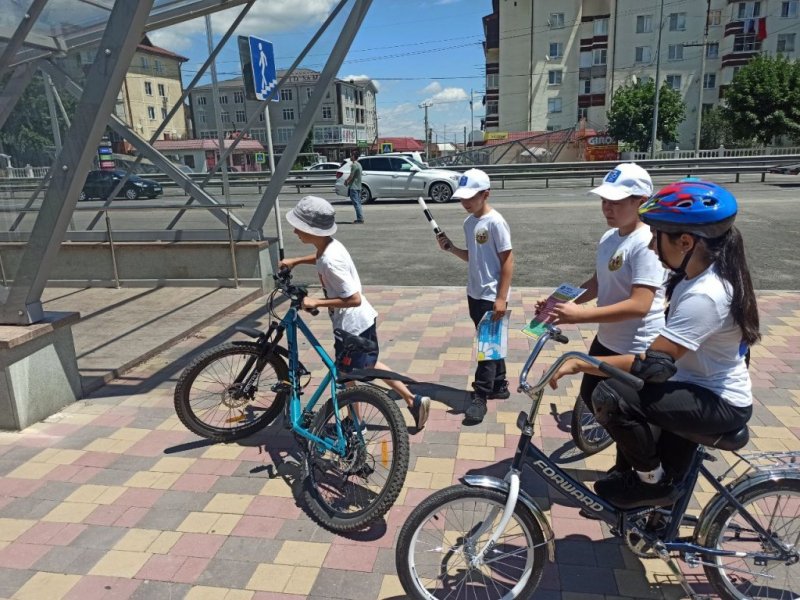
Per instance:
{"type": "Point", "coordinates": [727, 253]}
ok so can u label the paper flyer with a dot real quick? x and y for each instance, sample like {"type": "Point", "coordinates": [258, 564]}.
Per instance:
{"type": "Point", "coordinates": [563, 293]}
{"type": "Point", "coordinates": [491, 339]}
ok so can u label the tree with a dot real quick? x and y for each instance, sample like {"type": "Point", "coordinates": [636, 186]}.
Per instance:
{"type": "Point", "coordinates": [27, 134]}
{"type": "Point", "coordinates": [630, 119]}
{"type": "Point", "coordinates": [763, 100]}
{"type": "Point", "coordinates": [716, 130]}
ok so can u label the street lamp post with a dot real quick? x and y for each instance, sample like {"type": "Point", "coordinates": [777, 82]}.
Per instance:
{"type": "Point", "coordinates": [427, 104]}
{"type": "Point", "coordinates": [654, 133]}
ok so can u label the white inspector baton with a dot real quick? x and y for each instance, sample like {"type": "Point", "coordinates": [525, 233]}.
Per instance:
{"type": "Point", "coordinates": [436, 229]}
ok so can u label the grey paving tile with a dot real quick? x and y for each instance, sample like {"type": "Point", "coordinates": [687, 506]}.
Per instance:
{"type": "Point", "coordinates": [187, 501]}
{"type": "Point", "coordinates": [160, 590]}
{"type": "Point", "coordinates": [344, 585]}
{"type": "Point", "coordinates": [227, 573]}
{"type": "Point", "coordinates": [128, 462]}
{"type": "Point", "coordinates": [569, 552]}
{"type": "Point", "coordinates": [589, 580]}
{"type": "Point", "coordinates": [100, 537]}
{"type": "Point", "coordinates": [111, 477]}
{"type": "Point", "coordinates": [304, 530]}
{"type": "Point", "coordinates": [163, 519]}
{"type": "Point", "coordinates": [54, 490]}
{"type": "Point", "coordinates": [70, 559]}
{"type": "Point", "coordinates": [238, 485]}
{"type": "Point", "coordinates": [12, 579]}
{"type": "Point", "coordinates": [26, 508]}
{"type": "Point", "coordinates": [247, 549]}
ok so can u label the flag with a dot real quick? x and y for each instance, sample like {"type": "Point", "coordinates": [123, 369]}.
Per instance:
{"type": "Point", "coordinates": [761, 33]}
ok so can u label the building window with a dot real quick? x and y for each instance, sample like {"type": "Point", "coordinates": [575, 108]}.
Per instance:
{"type": "Point", "coordinates": [238, 97]}
{"type": "Point", "coordinates": [677, 21]}
{"type": "Point", "coordinates": [586, 85]}
{"type": "Point", "coordinates": [644, 24]}
{"type": "Point", "coordinates": [288, 114]}
{"type": "Point", "coordinates": [201, 116]}
{"type": "Point", "coordinates": [309, 92]}
{"type": "Point", "coordinates": [241, 117]}
{"type": "Point", "coordinates": [556, 20]}
{"type": "Point", "coordinates": [161, 90]}
{"type": "Point", "coordinates": [599, 56]}
{"type": "Point", "coordinates": [675, 52]}
{"type": "Point", "coordinates": [709, 81]}
{"type": "Point", "coordinates": [163, 113]}
{"type": "Point", "coordinates": [553, 105]}
{"type": "Point", "coordinates": [146, 63]}
{"type": "Point", "coordinates": [749, 10]}
{"type": "Point", "coordinates": [283, 134]}
{"type": "Point", "coordinates": [327, 111]}
{"type": "Point", "coordinates": [644, 54]}
{"type": "Point", "coordinates": [785, 42]}
{"type": "Point", "coordinates": [712, 50]}
{"type": "Point", "coordinates": [600, 26]}
{"type": "Point", "coordinates": [491, 107]}
{"type": "Point", "coordinates": [674, 81]}
{"type": "Point", "coordinates": [151, 113]}
{"type": "Point", "coordinates": [583, 113]}
{"type": "Point", "coordinates": [225, 116]}
{"type": "Point", "coordinates": [714, 18]}
{"type": "Point", "coordinates": [553, 127]}
{"type": "Point", "coordinates": [223, 99]}
{"type": "Point", "coordinates": [286, 93]}
{"type": "Point", "coordinates": [201, 100]}
{"type": "Point", "coordinates": [556, 50]}
{"type": "Point", "coordinates": [554, 77]}
{"type": "Point", "coordinates": [261, 116]}
{"type": "Point", "coordinates": [158, 66]}
{"type": "Point", "coordinates": [746, 43]}
{"type": "Point", "coordinates": [789, 9]}
{"type": "Point", "coordinates": [493, 81]}
{"type": "Point", "coordinates": [148, 88]}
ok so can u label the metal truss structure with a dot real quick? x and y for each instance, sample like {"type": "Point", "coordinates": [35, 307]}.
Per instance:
{"type": "Point", "coordinates": [34, 33]}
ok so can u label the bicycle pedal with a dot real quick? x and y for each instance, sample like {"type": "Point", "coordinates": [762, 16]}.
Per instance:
{"type": "Point", "coordinates": [588, 514]}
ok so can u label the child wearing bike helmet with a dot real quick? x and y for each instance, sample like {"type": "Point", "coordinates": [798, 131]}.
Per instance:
{"type": "Point", "coordinates": [628, 281]}
{"type": "Point", "coordinates": [694, 372]}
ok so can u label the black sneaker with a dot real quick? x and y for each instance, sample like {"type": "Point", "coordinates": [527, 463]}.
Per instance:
{"type": "Point", "coordinates": [420, 410]}
{"type": "Point", "coordinates": [614, 472]}
{"type": "Point", "coordinates": [476, 410]}
{"type": "Point", "coordinates": [501, 392]}
{"type": "Point", "coordinates": [628, 491]}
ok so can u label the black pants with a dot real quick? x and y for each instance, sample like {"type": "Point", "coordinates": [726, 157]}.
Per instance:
{"type": "Point", "coordinates": [673, 406]}
{"type": "Point", "coordinates": [490, 375]}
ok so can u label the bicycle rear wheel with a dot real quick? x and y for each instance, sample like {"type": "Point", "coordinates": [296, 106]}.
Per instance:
{"type": "Point", "coordinates": [587, 433]}
{"type": "Point", "coordinates": [206, 398]}
{"type": "Point", "coordinates": [346, 493]}
{"type": "Point", "coordinates": [443, 535]}
{"type": "Point", "coordinates": [776, 506]}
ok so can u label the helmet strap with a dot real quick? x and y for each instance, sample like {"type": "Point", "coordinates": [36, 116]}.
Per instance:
{"type": "Point", "coordinates": [680, 270]}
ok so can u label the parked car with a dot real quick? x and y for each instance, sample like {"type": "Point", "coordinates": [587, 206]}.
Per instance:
{"type": "Point", "coordinates": [99, 184]}
{"type": "Point", "coordinates": [399, 177]}
{"type": "Point", "coordinates": [413, 155]}
{"type": "Point", "coordinates": [786, 169]}
{"type": "Point", "coordinates": [323, 166]}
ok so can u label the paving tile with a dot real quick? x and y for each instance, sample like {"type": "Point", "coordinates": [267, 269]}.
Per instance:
{"type": "Point", "coordinates": [227, 574]}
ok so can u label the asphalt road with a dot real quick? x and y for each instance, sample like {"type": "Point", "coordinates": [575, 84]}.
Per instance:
{"type": "Point", "coordinates": [554, 232]}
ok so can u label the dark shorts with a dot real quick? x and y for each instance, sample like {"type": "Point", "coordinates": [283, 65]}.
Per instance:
{"type": "Point", "coordinates": [357, 360]}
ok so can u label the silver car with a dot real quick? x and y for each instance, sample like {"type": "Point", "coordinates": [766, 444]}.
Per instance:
{"type": "Point", "coordinates": [399, 177]}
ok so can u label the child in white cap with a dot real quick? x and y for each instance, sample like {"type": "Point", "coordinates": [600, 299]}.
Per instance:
{"type": "Point", "coordinates": [490, 265]}
{"type": "Point", "coordinates": [314, 223]}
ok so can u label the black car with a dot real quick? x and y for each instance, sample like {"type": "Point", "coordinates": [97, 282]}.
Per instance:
{"type": "Point", "coordinates": [99, 184]}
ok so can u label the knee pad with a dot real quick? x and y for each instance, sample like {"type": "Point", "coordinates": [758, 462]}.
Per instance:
{"type": "Point", "coordinates": [606, 401]}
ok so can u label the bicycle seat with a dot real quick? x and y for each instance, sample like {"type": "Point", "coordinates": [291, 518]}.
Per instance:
{"type": "Point", "coordinates": [732, 440]}
{"type": "Point", "coordinates": [353, 343]}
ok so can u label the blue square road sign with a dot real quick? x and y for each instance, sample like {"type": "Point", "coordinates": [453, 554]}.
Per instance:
{"type": "Point", "coordinates": [262, 62]}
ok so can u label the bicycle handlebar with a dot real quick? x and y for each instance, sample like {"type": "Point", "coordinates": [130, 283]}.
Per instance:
{"type": "Point", "coordinates": [621, 375]}
{"type": "Point", "coordinates": [296, 293]}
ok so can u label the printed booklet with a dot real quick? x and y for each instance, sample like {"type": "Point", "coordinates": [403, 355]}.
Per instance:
{"type": "Point", "coordinates": [491, 339]}
{"type": "Point", "coordinates": [563, 293]}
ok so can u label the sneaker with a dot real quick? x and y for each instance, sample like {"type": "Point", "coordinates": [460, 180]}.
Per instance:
{"type": "Point", "coordinates": [358, 222]}
{"type": "Point", "coordinates": [628, 491]}
{"type": "Point", "coordinates": [614, 472]}
{"type": "Point", "coordinates": [419, 410]}
{"type": "Point", "coordinates": [500, 392]}
{"type": "Point", "coordinates": [476, 410]}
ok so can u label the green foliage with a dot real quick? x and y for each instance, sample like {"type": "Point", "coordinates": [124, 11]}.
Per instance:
{"type": "Point", "coordinates": [716, 130]}
{"type": "Point", "coordinates": [27, 134]}
{"type": "Point", "coordinates": [763, 100]}
{"type": "Point", "coordinates": [630, 119]}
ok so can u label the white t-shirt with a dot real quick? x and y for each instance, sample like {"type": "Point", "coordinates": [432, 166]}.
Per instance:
{"type": "Point", "coordinates": [340, 280]}
{"type": "Point", "coordinates": [700, 320]}
{"type": "Point", "coordinates": [486, 238]}
{"type": "Point", "coordinates": [622, 262]}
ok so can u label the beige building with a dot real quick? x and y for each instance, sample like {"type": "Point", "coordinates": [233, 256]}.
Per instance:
{"type": "Point", "coordinates": [551, 63]}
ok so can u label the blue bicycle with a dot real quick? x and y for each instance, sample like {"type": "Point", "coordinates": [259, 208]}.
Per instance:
{"type": "Point", "coordinates": [489, 539]}
{"type": "Point", "coordinates": [355, 447]}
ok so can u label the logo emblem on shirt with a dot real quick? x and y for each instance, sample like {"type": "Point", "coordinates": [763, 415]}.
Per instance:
{"type": "Point", "coordinates": [616, 262]}
{"type": "Point", "coordinates": [482, 236]}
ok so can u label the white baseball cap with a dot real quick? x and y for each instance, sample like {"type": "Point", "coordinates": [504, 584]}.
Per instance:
{"type": "Point", "coordinates": [623, 181]}
{"type": "Point", "coordinates": [471, 182]}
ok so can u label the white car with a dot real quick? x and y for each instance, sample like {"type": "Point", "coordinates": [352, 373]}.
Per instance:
{"type": "Point", "coordinates": [399, 177]}
{"type": "Point", "coordinates": [323, 166]}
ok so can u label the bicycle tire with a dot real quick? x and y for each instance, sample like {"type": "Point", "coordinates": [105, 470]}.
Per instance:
{"type": "Point", "coordinates": [426, 528]}
{"type": "Point", "coordinates": [736, 585]}
{"type": "Point", "coordinates": [342, 505]}
{"type": "Point", "coordinates": [589, 436]}
{"type": "Point", "coordinates": [220, 417]}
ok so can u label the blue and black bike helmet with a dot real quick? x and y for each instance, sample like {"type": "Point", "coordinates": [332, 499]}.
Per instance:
{"type": "Point", "coordinates": [693, 206]}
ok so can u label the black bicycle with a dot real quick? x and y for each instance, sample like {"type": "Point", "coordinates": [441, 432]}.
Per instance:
{"type": "Point", "coordinates": [487, 538]}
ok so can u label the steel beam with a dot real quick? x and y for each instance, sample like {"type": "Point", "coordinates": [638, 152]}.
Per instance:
{"type": "Point", "coordinates": [121, 37]}
{"type": "Point", "coordinates": [14, 89]}
{"type": "Point", "coordinates": [23, 29]}
{"type": "Point", "coordinates": [335, 60]}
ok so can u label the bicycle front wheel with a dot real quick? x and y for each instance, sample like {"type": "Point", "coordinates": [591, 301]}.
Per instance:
{"type": "Point", "coordinates": [208, 396]}
{"type": "Point", "coordinates": [776, 507]}
{"type": "Point", "coordinates": [347, 493]}
{"type": "Point", "coordinates": [587, 433]}
{"type": "Point", "coordinates": [438, 549]}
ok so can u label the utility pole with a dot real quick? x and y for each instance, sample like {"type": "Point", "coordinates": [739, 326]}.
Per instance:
{"type": "Point", "coordinates": [702, 83]}
{"type": "Point", "coordinates": [471, 120]}
{"type": "Point", "coordinates": [427, 104]}
{"type": "Point", "coordinates": [654, 133]}
{"type": "Point", "coordinates": [217, 109]}
{"type": "Point", "coordinates": [465, 138]}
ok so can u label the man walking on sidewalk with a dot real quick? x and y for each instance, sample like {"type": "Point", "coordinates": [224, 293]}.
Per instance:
{"type": "Point", "coordinates": [353, 184]}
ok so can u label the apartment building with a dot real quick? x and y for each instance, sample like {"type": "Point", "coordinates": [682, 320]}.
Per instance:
{"type": "Point", "coordinates": [346, 119]}
{"type": "Point", "coordinates": [550, 63]}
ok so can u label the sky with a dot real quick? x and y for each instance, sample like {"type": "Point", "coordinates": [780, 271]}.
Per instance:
{"type": "Point", "coordinates": [414, 51]}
